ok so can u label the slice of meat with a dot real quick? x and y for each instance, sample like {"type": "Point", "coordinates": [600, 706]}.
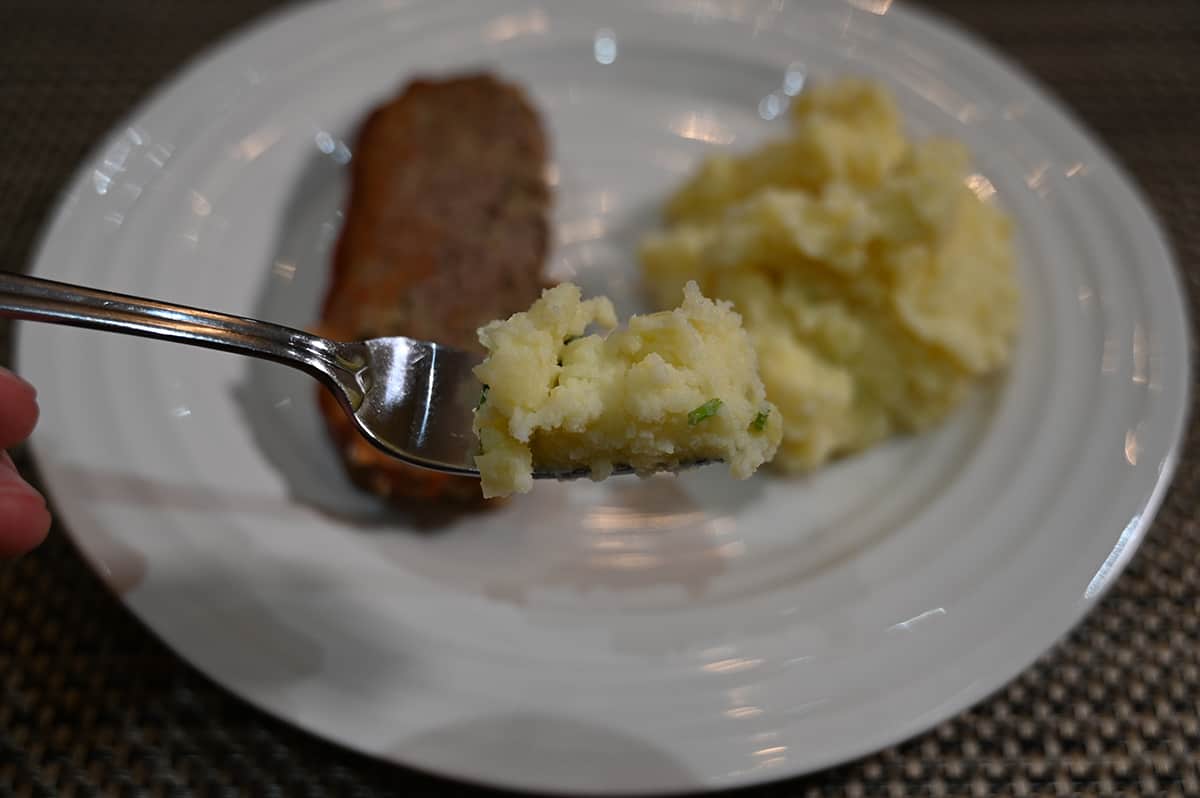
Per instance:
{"type": "Point", "coordinates": [445, 230]}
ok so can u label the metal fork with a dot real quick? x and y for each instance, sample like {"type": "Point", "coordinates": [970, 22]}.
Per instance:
{"type": "Point", "coordinates": [412, 399]}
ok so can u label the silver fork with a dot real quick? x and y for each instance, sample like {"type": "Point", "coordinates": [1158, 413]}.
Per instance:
{"type": "Point", "coordinates": [412, 399]}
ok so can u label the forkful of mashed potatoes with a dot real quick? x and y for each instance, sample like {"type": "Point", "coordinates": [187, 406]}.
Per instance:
{"type": "Point", "coordinates": [666, 391]}
{"type": "Point", "coordinates": [673, 389]}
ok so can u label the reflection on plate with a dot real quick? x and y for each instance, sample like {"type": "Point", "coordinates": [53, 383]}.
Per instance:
{"type": "Point", "coordinates": [624, 636]}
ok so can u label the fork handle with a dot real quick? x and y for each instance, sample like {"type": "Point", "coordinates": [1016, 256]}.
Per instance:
{"type": "Point", "coordinates": [34, 299]}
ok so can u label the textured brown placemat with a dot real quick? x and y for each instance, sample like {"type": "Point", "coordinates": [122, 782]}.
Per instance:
{"type": "Point", "coordinates": [92, 704]}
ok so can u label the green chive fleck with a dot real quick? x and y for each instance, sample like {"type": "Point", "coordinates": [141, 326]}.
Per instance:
{"type": "Point", "coordinates": [482, 396]}
{"type": "Point", "coordinates": [760, 421]}
{"type": "Point", "coordinates": [706, 410]}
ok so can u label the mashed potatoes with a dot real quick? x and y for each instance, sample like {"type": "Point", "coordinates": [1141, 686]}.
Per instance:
{"type": "Point", "coordinates": [672, 387]}
{"type": "Point", "coordinates": [875, 285]}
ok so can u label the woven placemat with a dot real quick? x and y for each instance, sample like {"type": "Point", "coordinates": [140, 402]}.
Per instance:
{"type": "Point", "coordinates": [92, 704]}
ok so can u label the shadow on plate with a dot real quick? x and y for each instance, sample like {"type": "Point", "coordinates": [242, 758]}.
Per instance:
{"type": "Point", "coordinates": [569, 754]}
{"type": "Point", "coordinates": [625, 544]}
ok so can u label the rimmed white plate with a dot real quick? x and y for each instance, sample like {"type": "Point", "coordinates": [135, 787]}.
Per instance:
{"type": "Point", "coordinates": [630, 636]}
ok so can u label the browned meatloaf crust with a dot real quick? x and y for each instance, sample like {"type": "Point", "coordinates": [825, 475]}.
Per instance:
{"type": "Point", "coordinates": [445, 230]}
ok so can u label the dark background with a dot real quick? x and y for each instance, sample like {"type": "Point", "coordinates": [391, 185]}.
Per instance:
{"type": "Point", "coordinates": [92, 704]}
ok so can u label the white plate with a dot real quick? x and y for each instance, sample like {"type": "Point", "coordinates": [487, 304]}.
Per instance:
{"type": "Point", "coordinates": [629, 636]}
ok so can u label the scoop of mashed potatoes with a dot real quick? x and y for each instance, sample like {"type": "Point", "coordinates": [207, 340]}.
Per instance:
{"type": "Point", "coordinates": [875, 284]}
{"type": "Point", "coordinates": [669, 388]}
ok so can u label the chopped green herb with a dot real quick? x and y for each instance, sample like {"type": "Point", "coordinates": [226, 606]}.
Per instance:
{"type": "Point", "coordinates": [706, 410]}
{"type": "Point", "coordinates": [483, 396]}
{"type": "Point", "coordinates": [760, 421]}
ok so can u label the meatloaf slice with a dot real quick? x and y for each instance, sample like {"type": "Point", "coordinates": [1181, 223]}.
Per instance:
{"type": "Point", "coordinates": [445, 230]}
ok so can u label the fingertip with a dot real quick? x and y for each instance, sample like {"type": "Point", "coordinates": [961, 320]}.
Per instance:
{"type": "Point", "coordinates": [24, 520]}
{"type": "Point", "coordinates": [11, 382]}
{"type": "Point", "coordinates": [19, 410]}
